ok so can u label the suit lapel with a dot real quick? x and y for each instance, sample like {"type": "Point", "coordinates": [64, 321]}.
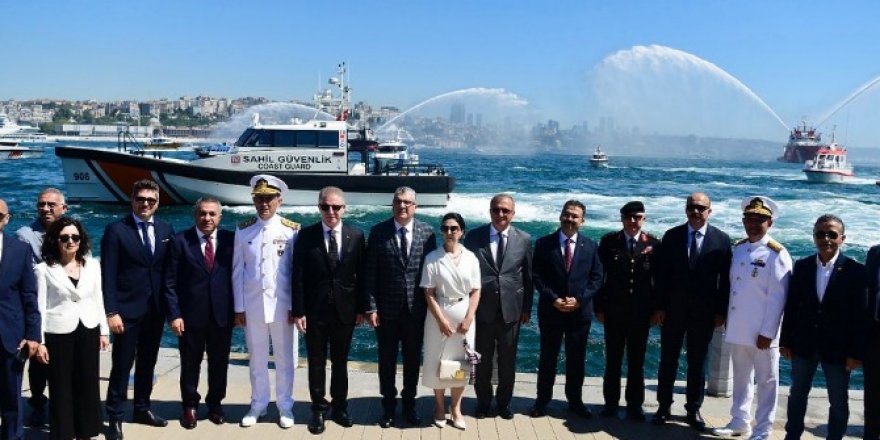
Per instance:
{"type": "Point", "coordinates": [838, 267]}
{"type": "Point", "coordinates": [195, 247]}
{"type": "Point", "coordinates": [5, 256]}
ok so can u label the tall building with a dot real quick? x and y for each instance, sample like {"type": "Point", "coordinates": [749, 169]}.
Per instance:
{"type": "Point", "coordinates": [457, 113]}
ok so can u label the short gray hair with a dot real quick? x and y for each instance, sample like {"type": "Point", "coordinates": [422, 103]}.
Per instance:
{"type": "Point", "coordinates": [327, 190]}
{"type": "Point", "coordinates": [51, 190]}
{"type": "Point", "coordinates": [401, 190]}
{"type": "Point", "coordinates": [205, 199]}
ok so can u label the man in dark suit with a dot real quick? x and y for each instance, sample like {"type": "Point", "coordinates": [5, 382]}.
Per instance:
{"type": "Point", "coordinates": [694, 285]}
{"type": "Point", "coordinates": [132, 256]}
{"type": "Point", "coordinates": [624, 305]}
{"type": "Point", "coordinates": [19, 325]}
{"type": "Point", "coordinates": [328, 302]}
{"type": "Point", "coordinates": [872, 351]}
{"type": "Point", "coordinates": [824, 323]}
{"type": "Point", "coordinates": [567, 273]}
{"type": "Point", "coordinates": [505, 255]}
{"type": "Point", "coordinates": [198, 295]}
{"type": "Point", "coordinates": [396, 307]}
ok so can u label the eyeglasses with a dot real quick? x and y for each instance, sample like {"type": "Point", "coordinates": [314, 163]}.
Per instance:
{"type": "Point", "coordinates": [822, 235]}
{"type": "Point", "coordinates": [64, 238]}
{"type": "Point", "coordinates": [50, 205]}
{"type": "Point", "coordinates": [326, 207]}
{"type": "Point", "coordinates": [148, 200]}
{"type": "Point", "coordinates": [449, 229]}
{"type": "Point", "coordinates": [500, 211]}
{"type": "Point", "coordinates": [3, 215]}
{"type": "Point", "coordinates": [632, 218]}
{"type": "Point", "coordinates": [404, 203]}
{"type": "Point", "coordinates": [699, 209]}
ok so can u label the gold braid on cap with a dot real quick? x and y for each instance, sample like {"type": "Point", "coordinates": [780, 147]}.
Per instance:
{"type": "Point", "coordinates": [756, 206]}
{"type": "Point", "coordinates": [263, 188]}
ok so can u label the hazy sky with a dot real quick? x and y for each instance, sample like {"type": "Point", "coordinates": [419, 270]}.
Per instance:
{"type": "Point", "coordinates": [801, 58]}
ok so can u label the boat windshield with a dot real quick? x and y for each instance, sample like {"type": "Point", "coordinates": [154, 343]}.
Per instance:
{"type": "Point", "coordinates": [256, 137]}
{"type": "Point", "coordinates": [391, 148]}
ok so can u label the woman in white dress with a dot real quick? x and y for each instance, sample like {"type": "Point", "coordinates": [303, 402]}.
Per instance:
{"type": "Point", "coordinates": [451, 279]}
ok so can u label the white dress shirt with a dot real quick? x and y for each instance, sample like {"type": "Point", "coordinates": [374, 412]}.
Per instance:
{"type": "Point", "coordinates": [823, 274]}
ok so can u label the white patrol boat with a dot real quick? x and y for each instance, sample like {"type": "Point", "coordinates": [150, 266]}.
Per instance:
{"type": "Point", "coordinates": [829, 166]}
{"type": "Point", "coordinates": [306, 155]}
{"type": "Point", "coordinates": [599, 159]}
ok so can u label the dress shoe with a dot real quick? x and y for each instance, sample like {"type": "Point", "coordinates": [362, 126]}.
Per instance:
{"type": "Point", "coordinates": [216, 416]}
{"type": "Point", "coordinates": [342, 418]}
{"type": "Point", "coordinates": [412, 417]}
{"type": "Point", "coordinates": [580, 410]}
{"type": "Point", "coordinates": [760, 436]}
{"type": "Point", "coordinates": [538, 411]}
{"type": "Point", "coordinates": [661, 417]}
{"type": "Point", "coordinates": [387, 420]}
{"type": "Point", "coordinates": [148, 418]}
{"type": "Point", "coordinates": [188, 419]}
{"type": "Point", "coordinates": [316, 423]}
{"type": "Point", "coordinates": [482, 412]}
{"type": "Point", "coordinates": [696, 420]}
{"type": "Point", "coordinates": [732, 431]}
{"type": "Point", "coordinates": [285, 418]}
{"type": "Point", "coordinates": [114, 431]}
{"type": "Point", "coordinates": [609, 411]}
{"type": "Point", "coordinates": [458, 424]}
{"type": "Point", "coordinates": [37, 418]}
{"type": "Point", "coordinates": [505, 413]}
{"type": "Point", "coordinates": [635, 414]}
{"type": "Point", "coordinates": [252, 417]}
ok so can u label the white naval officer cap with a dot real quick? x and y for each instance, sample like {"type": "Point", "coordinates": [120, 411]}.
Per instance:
{"type": "Point", "coordinates": [267, 185]}
{"type": "Point", "coordinates": [760, 205]}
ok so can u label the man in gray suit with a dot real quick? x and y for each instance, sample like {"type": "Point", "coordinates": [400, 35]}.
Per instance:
{"type": "Point", "coordinates": [505, 255]}
{"type": "Point", "coordinates": [396, 308]}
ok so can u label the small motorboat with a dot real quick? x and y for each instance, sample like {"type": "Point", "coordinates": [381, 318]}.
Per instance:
{"type": "Point", "coordinates": [12, 150]}
{"type": "Point", "coordinates": [829, 166]}
{"type": "Point", "coordinates": [599, 159]}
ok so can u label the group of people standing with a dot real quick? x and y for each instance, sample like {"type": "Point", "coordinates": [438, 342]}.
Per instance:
{"type": "Point", "coordinates": [460, 305]}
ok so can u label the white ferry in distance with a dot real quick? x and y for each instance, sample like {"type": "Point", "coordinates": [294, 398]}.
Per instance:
{"type": "Point", "coordinates": [306, 155]}
{"type": "Point", "coordinates": [599, 159]}
{"type": "Point", "coordinates": [10, 131]}
{"type": "Point", "coordinates": [829, 166]}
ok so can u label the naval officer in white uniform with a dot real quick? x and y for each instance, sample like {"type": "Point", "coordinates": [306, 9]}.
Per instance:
{"type": "Point", "coordinates": [261, 283]}
{"type": "Point", "coordinates": [759, 276]}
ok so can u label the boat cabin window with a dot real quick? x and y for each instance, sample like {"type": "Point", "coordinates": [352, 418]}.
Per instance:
{"type": "Point", "coordinates": [328, 139]}
{"type": "Point", "coordinates": [289, 138]}
{"type": "Point", "coordinates": [285, 138]}
{"type": "Point", "coordinates": [306, 139]}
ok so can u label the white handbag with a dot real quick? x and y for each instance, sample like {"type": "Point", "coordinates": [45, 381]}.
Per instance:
{"type": "Point", "coordinates": [452, 369]}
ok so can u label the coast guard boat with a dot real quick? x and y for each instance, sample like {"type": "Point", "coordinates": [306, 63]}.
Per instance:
{"type": "Point", "coordinates": [599, 159]}
{"type": "Point", "coordinates": [306, 155]}
{"type": "Point", "coordinates": [829, 166]}
{"type": "Point", "coordinates": [803, 144]}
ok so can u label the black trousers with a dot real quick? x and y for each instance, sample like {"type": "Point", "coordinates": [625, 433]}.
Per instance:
{"type": "Point", "coordinates": [325, 333]}
{"type": "Point", "coordinates": [698, 330]}
{"type": "Point", "coordinates": [504, 337]}
{"type": "Point", "coordinates": [576, 332]}
{"type": "Point", "coordinates": [405, 336]}
{"type": "Point", "coordinates": [140, 342]}
{"type": "Point", "coordinates": [193, 344]}
{"type": "Point", "coordinates": [11, 417]}
{"type": "Point", "coordinates": [38, 378]}
{"type": "Point", "coordinates": [75, 408]}
{"type": "Point", "coordinates": [630, 334]}
{"type": "Point", "coordinates": [871, 369]}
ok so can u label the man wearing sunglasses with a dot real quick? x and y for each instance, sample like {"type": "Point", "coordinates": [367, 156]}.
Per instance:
{"type": "Point", "coordinates": [132, 257]}
{"type": "Point", "coordinates": [693, 288]}
{"type": "Point", "coordinates": [328, 302]}
{"type": "Point", "coordinates": [824, 324]}
{"type": "Point", "coordinates": [261, 283]}
{"type": "Point", "coordinates": [507, 293]}
{"type": "Point", "coordinates": [871, 366]}
{"type": "Point", "coordinates": [50, 206]}
{"type": "Point", "coordinates": [759, 278]}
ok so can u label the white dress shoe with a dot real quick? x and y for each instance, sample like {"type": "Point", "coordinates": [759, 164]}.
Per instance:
{"type": "Point", "coordinates": [732, 431]}
{"type": "Point", "coordinates": [458, 424]}
{"type": "Point", "coordinates": [250, 419]}
{"type": "Point", "coordinates": [760, 436]}
{"type": "Point", "coordinates": [285, 419]}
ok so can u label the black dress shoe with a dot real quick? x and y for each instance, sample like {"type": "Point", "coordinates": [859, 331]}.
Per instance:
{"type": "Point", "coordinates": [608, 411]}
{"type": "Point", "coordinates": [148, 418]}
{"type": "Point", "coordinates": [661, 416]}
{"type": "Point", "coordinates": [188, 419]}
{"type": "Point", "coordinates": [580, 410]}
{"type": "Point", "coordinates": [482, 412]}
{"type": "Point", "coordinates": [37, 418]}
{"type": "Point", "coordinates": [316, 423]}
{"type": "Point", "coordinates": [216, 416]}
{"type": "Point", "coordinates": [114, 431]}
{"type": "Point", "coordinates": [387, 420]}
{"type": "Point", "coordinates": [342, 418]}
{"type": "Point", "coordinates": [505, 413]}
{"type": "Point", "coordinates": [635, 414]}
{"type": "Point", "coordinates": [538, 411]}
{"type": "Point", "coordinates": [696, 420]}
{"type": "Point", "coordinates": [412, 417]}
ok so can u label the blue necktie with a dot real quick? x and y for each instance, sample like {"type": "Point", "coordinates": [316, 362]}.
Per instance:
{"type": "Point", "coordinates": [694, 253]}
{"type": "Point", "coordinates": [404, 247]}
{"type": "Point", "coordinates": [148, 245]}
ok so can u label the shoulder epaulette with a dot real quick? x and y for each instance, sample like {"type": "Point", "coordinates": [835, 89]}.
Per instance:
{"type": "Point", "coordinates": [247, 223]}
{"type": "Point", "coordinates": [289, 223]}
{"type": "Point", "coordinates": [741, 241]}
{"type": "Point", "coordinates": [648, 236]}
{"type": "Point", "coordinates": [773, 244]}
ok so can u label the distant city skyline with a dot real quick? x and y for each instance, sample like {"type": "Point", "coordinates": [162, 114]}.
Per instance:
{"type": "Point", "coordinates": [801, 58]}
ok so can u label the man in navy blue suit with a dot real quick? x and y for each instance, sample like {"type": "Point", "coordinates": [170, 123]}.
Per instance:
{"type": "Point", "coordinates": [132, 253]}
{"type": "Point", "coordinates": [198, 294]}
{"type": "Point", "coordinates": [19, 325]}
{"type": "Point", "coordinates": [567, 273]}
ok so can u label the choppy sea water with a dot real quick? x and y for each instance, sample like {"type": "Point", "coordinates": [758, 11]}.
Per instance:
{"type": "Point", "coordinates": [540, 184]}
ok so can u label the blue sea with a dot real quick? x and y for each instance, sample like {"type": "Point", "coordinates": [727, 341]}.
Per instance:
{"type": "Point", "coordinates": [540, 185]}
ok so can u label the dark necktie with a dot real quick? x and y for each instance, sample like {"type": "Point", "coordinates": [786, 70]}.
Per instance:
{"type": "Point", "coordinates": [148, 245]}
{"type": "Point", "coordinates": [332, 249]}
{"type": "Point", "coordinates": [568, 255]}
{"type": "Point", "coordinates": [209, 253]}
{"type": "Point", "coordinates": [499, 253]}
{"type": "Point", "coordinates": [632, 246]}
{"type": "Point", "coordinates": [694, 253]}
{"type": "Point", "coordinates": [404, 247]}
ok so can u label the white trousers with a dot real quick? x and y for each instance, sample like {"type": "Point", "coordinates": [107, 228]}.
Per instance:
{"type": "Point", "coordinates": [754, 368]}
{"type": "Point", "coordinates": [285, 345]}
